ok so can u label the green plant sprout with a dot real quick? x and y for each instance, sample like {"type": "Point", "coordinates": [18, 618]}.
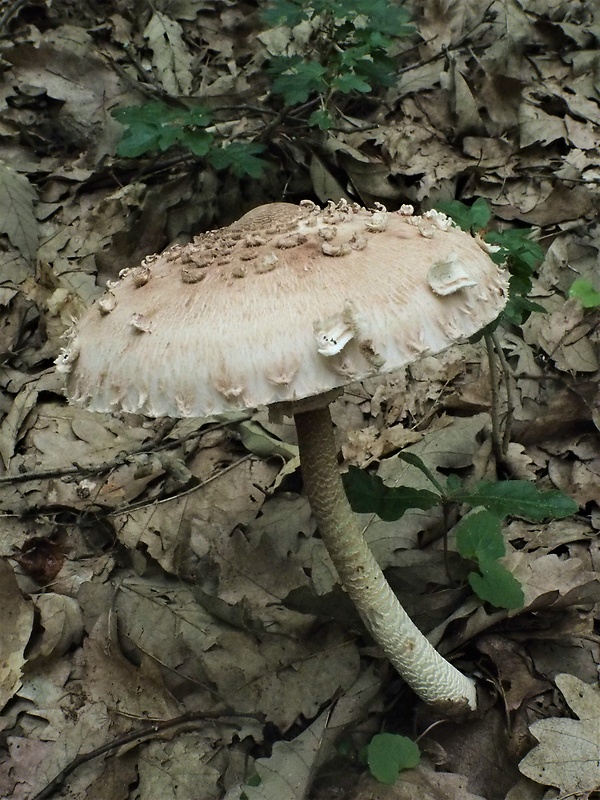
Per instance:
{"type": "Point", "coordinates": [252, 782]}
{"type": "Point", "coordinates": [584, 291]}
{"type": "Point", "coordinates": [347, 52]}
{"type": "Point", "coordinates": [479, 536]}
{"type": "Point", "coordinates": [389, 754]}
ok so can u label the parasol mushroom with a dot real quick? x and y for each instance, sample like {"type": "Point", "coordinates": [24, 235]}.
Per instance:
{"type": "Point", "coordinates": [282, 309]}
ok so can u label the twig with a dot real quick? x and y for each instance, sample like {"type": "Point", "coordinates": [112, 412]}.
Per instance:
{"type": "Point", "coordinates": [495, 402]}
{"type": "Point", "coordinates": [95, 469]}
{"type": "Point", "coordinates": [10, 11]}
{"type": "Point", "coordinates": [179, 495]}
{"type": "Point", "coordinates": [140, 735]}
{"type": "Point", "coordinates": [118, 461]}
{"type": "Point", "coordinates": [510, 405]}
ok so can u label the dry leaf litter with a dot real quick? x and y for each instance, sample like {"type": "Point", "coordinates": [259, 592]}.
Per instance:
{"type": "Point", "coordinates": [163, 593]}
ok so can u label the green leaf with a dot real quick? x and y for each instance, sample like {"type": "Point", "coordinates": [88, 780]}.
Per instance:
{"type": "Point", "coordinates": [240, 158]}
{"type": "Point", "coordinates": [151, 113]}
{"type": "Point", "coordinates": [344, 747]}
{"type": "Point", "coordinates": [368, 494]}
{"type": "Point", "coordinates": [198, 117]}
{"type": "Point", "coordinates": [480, 214]}
{"type": "Point", "coordinates": [415, 461]}
{"type": "Point", "coordinates": [297, 79]}
{"type": "Point", "coordinates": [157, 126]}
{"type": "Point", "coordinates": [479, 537]}
{"type": "Point", "coordinates": [253, 781]}
{"type": "Point", "coordinates": [496, 585]}
{"type": "Point", "coordinates": [518, 498]}
{"type": "Point", "coordinates": [518, 309]}
{"type": "Point", "coordinates": [586, 294]}
{"type": "Point", "coordinates": [321, 119]}
{"type": "Point", "coordinates": [137, 141]}
{"type": "Point", "coordinates": [199, 142]}
{"type": "Point", "coordinates": [525, 253]}
{"type": "Point", "coordinates": [470, 218]}
{"type": "Point", "coordinates": [388, 754]}
{"type": "Point", "coordinates": [350, 82]}
{"type": "Point", "coordinates": [283, 12]}
{"type": "Point", "coordinates": [453, 483]}
{"type": "Point", "coordinates": [385, 17]}
{"type": "Point", "coordinates": [378, 69]}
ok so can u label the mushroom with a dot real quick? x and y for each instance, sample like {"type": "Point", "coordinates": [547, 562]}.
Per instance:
{"type": "Point", "coordinates": [284, 308]}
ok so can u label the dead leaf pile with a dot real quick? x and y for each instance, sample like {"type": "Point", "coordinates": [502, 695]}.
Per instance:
{"type": "Point", "coordinates": [173, 627]}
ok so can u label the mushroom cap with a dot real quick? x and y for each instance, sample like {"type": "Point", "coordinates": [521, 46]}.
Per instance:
{"type": "Point", "coordinates": [287, 303]}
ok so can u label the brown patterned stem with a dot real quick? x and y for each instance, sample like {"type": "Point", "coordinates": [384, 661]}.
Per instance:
{"type": "Point", "coordinates": [422, 667]}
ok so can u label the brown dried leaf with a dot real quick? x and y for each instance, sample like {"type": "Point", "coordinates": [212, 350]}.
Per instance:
{"type": "Point", "coordinates": [562, 333]}
{"type": "Point", "coordinates": [172, 59]}
{"type": "Point", "coordinates": [40, 558]}
{"type": "Point", "coordinates": [567, 753]}
{"type": "Point", "coordinates": [280, 676]}
{"type": "Point", "coordinates": [515, 671]}
{"type": "Point", "coordinates": [247, 583]}
{"type": "Point", "coordinates": [17, 219]}
{"type": "Point", "coordinates": [17, 624]}
{"type": "Point", "coordinates": [177, 531]}
{"type": "Point", "coordinates": [424, 782]}
{"type": "Point", "coordinates": [62, 625]}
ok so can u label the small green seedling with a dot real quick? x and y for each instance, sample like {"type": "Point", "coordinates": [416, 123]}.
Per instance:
{"type": "Point", "coordinates": [347, 53]}
{"type": "Point", "coordinates": [253, 781]}
{"type": "Point", "coordinates": [586, 294]}
{"type": "Point", "coordinates": [479, 539]}
{"type": "Point", "coordinates": [389, 754]}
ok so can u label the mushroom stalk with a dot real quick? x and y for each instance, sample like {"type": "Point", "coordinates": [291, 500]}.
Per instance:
{"type": "Point", "coordinates": [430, 676]}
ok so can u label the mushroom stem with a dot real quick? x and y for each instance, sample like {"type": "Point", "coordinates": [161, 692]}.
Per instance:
{"type": "Point", "coordinates": [430, 676]}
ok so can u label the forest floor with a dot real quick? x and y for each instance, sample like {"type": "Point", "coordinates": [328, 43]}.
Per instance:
{"type": "Point", "coordinates": [172, 627]}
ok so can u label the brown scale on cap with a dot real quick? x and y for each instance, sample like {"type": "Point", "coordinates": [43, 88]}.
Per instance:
{"type": "Point", "coordinates": [316, 296]}
{"type": "Point", "coordinates": [141, 275]}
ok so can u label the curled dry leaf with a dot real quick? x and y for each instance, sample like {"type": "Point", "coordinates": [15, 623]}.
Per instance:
{"type": "Point", "coordinates": [41, 558]}
{"type": "Point", "coordinates": [62, 624]}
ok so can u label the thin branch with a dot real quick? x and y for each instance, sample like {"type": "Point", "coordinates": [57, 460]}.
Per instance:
{"type": "Point", "coordinates": [10, 11]}
{"type": "Point", "coordinates": [510, 405]}
{"type": "Point", "coordinates": [179, 495]}
{"type": "Point", "coordinates": [140, 735]}
{"type": "Point", "coordinates": [495, 400]}
{"type": "Point", "coordinates": [152, 446]}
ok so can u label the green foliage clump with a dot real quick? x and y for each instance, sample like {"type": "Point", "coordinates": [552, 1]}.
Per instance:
{"type": "Point", "coordinates": [479, 536]}
{"type": "Point", "coordinates": [348, 50]}
{"type": "Point", "coordinates": [521, 254]}
{"type": "Point", "coordinates": [156, 127]}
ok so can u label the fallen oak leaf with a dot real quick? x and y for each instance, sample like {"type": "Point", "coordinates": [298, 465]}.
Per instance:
{"type": "Point", "coordinates": [568, 753]}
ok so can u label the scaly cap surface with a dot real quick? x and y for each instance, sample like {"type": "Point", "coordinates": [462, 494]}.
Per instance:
{"type": "Point", "coordinates": [286, 303]}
